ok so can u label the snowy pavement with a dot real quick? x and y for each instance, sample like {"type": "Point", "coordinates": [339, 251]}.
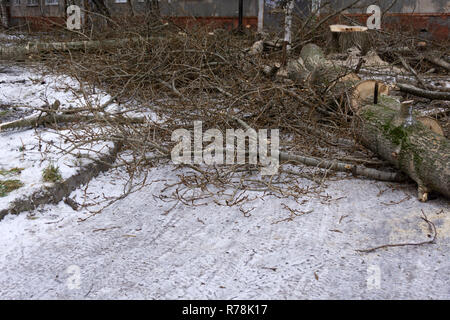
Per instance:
{"type": "Point", "coordinates": [133, 250]}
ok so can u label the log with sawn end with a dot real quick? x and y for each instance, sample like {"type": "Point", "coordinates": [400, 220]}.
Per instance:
{"type": "Point", "coordinates": [391, 130]}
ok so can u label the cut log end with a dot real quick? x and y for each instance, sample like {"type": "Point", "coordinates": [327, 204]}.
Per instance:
{"type": "Point", "coordinates": [432, 124]}
{"type": "Point", "coordinates": [365, 90]}
{"type": "Point", "coordinates": [422, 193]}
{"type": "Point", "coordinates": [345, 28]}
{"type": "Point", "coordinates": [345, 37]}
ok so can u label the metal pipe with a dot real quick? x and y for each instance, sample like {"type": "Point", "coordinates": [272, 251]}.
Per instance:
{"type": "Point", "coordinates": [241, 14]}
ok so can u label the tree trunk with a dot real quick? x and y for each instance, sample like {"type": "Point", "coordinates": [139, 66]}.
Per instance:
{"type": "Point", "coordinates": [20, 52]}
{"type": "Point", "coordinates": [101, 8]}
{"type": "Point", "coordinates": [407, 144]}
{"type": "Point", "coordinates": [390, 129]}
{"type": "Point", "coordinates": [288, 24]}
{"type": "Point", "coordinates": [345, 37]}
{"type": "Point", "coordinates": [4, 14]}
{"type": "Point", "coordinates": [323, 74]}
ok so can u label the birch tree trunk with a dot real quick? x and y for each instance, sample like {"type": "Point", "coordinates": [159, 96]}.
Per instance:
{"type": "Point", "coordinates": [288, 24]}
{"type": "Point", "coordinates": [261, 4]}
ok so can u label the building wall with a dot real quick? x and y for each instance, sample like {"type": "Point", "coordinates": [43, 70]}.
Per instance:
{"type": "Point", "coordinates": [124, 8]}
{"type": "Point", "coordinates": [429, 18]}
{"type": "Point", "coordinates": [208, 8]}
{"type": "Point", "coordinates": [195, 8]}
{"type": "Point", "coordinates": [401, 6]}
{"type": "Point", "coordinates": [27, 8]}
{"type": "Point", "coordinates": [215, 13]}
{"type": "Point", "coordinates": [37, 12]}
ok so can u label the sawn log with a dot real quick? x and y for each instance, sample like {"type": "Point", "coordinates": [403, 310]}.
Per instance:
{"type": "Point", "coordinates": [391, 130]}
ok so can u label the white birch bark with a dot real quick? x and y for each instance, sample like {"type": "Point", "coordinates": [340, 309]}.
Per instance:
{"type": "Point", "coordinates": [288, 24]}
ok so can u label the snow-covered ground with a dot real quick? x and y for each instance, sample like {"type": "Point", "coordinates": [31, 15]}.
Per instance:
{"type": "Point", "coordinates": [133, 249]}
{"type": "Point", "coordinates": [32, 151]}
{"type": "Point", "coordinates": [24, 87]}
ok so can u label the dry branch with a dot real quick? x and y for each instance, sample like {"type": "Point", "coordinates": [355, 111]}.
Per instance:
{"type": "Point", "coordinates": [433, 95]}
{"type": "Point", "coordinates": [433, 240]}
{"type": "Point", "coordinates": [336, 165]}
{"type": "Point", "coordinates": [439, 62]}
{"type": "Point", "coordinates": [53, 118]}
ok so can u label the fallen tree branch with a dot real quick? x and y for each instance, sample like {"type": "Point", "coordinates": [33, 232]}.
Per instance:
{"type": "Point", "coordinates": [439, 62]}
{"type": "Point", "coordinates": [356, 170]}
{"type": "Point", "coordinates": [36, 120]}
{"type": "Point", "coordinates": [336, 166]}
{"type": "Point", "coordinates": [18, 52]}
{"type": "Point", "coordinates": [59, 190]}
{"type": "Point", "coordinates": [429, 57]}
{"type": "Point", "coordinates": [433, 95]}
{"type": "Point", "coordinates": [408, 67]}
{"type": "Point", "coordinates": [430, 224]}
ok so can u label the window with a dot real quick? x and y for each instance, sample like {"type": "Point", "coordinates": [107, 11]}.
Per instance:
{"type": "Point", "coordinates": [16, 2]}
{"type": "Point", "coordinates": [51, 2]}
{"type": "Point", "coordinates": [121, 1]}
{"type": "Point", "coordinates": [32, 3]}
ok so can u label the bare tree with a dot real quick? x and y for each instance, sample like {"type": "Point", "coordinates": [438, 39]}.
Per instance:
{"type": "Point", "coordinates": [4, 14]}
{"type": "Point", "coordinates": [101, 7]}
